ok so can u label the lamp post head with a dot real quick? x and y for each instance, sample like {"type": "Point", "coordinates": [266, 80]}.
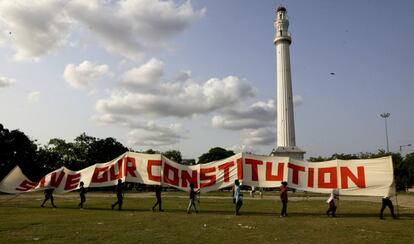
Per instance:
{"type": "Point", "coordinates": [401, 147]}
{"type": "Point", "coordinates": [385, 115]}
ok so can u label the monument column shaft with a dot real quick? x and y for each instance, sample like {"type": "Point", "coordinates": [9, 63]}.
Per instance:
{"type": "Point", "coordinates": [285, 124]}
{"type": "Point", "coordinates": [285, 117]}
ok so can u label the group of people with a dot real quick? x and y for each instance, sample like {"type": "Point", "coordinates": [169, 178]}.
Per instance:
{"type": "Point", "coordinates": [237, 199]}
{"type": "Point", "coordinates": [120, 197]}
{"type": "Point", "coordinates": [332, 203]}
{"type": "Point", "coordinates": [283, 191]}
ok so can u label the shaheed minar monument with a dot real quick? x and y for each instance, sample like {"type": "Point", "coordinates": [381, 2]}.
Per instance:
{"type": "Point", "coordinates": [285, 140]}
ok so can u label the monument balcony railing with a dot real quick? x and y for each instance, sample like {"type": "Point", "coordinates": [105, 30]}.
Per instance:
{"type": "Point", "coordinates": [284, 34]}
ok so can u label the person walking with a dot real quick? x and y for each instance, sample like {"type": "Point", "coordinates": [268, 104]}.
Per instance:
{"type": "Point", "coordinates": [158, 190]}
{"type": "Point", "coordinates": [119, 195]}
{"type": "Point", "coordinates": [332, 203]}
{"type": "Point", "coordinates": [48, 196]}
{"type": "Point", "coordinates": [238, 196]}
{"type": "Point", "coordinates": [82, 192]}
{"type": "Point", "coordinates": [283, 198]}
{"type": "Point", "coordinates": [386, 202]}
{"type": "Point", "coordinates": [193, 196]}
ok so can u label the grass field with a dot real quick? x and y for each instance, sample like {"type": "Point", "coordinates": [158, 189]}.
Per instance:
{"type": "Point", "coordinates": [22, 220]}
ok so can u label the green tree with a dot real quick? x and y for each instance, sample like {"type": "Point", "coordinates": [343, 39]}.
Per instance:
{"type": "Point", "coordinates": [17, 149]}
{"type": "Point", "coordinates": [409, 161]}
{"type": "Point", "coordinates": [214, 154]}
{"type": "Point", "coordinates": [319, 159]}
{"type": "Point", "coordinates": [173, 155]}
{"type": "Point", "coordinates": [150, 151]}
{"type": "Point", "coordinates": [69, 155]}
{"type": "Point", "coordinates": [104, 150]}
{"type": "Point", "coordinates": [86, 151]}
{"type": "Point", "coordinates": [48, 160]}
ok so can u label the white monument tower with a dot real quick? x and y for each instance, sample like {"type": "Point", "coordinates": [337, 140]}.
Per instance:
{"type": "Point", "coordinates": [286, 143]}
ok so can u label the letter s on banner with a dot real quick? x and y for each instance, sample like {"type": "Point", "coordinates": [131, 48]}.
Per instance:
{"type": "Point", "coordinates": [211, 179]}
{"type": "Point", "coordinates": [26, 185]}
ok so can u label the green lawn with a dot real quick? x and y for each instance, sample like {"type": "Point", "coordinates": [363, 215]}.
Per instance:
{"type": "Point", "coordinates": [22, 220]}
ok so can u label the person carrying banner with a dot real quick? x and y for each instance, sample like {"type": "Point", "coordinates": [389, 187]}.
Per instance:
{"type": "Point", "coordinates": [158, 190]}
{"type": "Point", "coordinates": [48, 196]}
{"type": "Point", "coordinates": [253, 191]}
{"type": "Point", "coordinates": [82, 192]}
{"type": "Point", "coordinates": [193, 196]}
{"type": "Point", "coordinates": [119, 195]}
{"type": "Point", "coordinates": [332, 203]}
{"type": "Point", "coordinates": [238, 196]}
{"type": "Point", "coordinates": [386, 202]}
{"type": "Point", "coordinates": [283, 198]}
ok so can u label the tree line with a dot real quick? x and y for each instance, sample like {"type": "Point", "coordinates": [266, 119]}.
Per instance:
{"type": "Point", "coordinates": [35, 160]}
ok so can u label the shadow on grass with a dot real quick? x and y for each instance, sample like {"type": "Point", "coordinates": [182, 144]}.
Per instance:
{"type": "Point", "coordinates": [402, 217]}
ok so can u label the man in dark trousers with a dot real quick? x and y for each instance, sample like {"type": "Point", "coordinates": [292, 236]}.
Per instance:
{"type": "Point", "coordinates": [48, 195]}
{"type": "Point", "coordinates": [386, 202]}
{"type": "Point", "coordinates": [158, 190]}
{"type": "Point", "coordinates": [119, 195]}
{"type": "Point", "coordinates": [283, 198]}
{"type": "Point", "coordinates": [193, 196]}
{"type": "Point", "coordinates": [82, 192]}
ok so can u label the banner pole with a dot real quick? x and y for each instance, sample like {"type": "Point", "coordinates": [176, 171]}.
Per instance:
{"type": "Point", "coordinates": [396, 201]}
{"type": "Point", "coordinates": [9, 199]}
{"type": "Point", "coordinates": [198, 195]}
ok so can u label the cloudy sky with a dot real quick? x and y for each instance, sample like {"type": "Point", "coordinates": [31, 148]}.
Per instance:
{"type": "Point", "coordinates": [191, 75]}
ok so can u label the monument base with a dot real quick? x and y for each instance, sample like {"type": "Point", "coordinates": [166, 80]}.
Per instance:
{"type": "Point", "coordinates": [293, 152]}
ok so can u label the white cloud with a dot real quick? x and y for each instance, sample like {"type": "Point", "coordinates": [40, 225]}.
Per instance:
{"type": "Point", "coordinates": [183, 75]}
{"type": "Point", "coordinates": [127, 28]}
{"type": "Point", "coordinates": [146, 134]}
{"type": "Point", "coordinates": [4, 81]}
{"type": "Point", "coordinates": [145, 75]}
{"type": "Point", "coordinates": [153, 135]}
{"type": "Point", "coordinates": [241, 148]}
{"type": "Point", "coordinates": [178, 99]}
{"type": "Point", "coordinates": [156, 20]}
{"type": "Point", "coordinates": [257, 115]}
{"type": "Point", "coordinates": [261, 136]}
{"type": "Point", "coordinates": [256, 123]}
{"type": "Point", "coordinates": [84, 74]}
{"type": "Point", "coordinates": [33, 97]}
{"type": "Point", "coordinates": [35, 27]}
{"type": "Point", "coordinates": [154, 96]}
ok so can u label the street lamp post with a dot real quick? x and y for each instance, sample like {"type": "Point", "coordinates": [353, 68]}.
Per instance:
{"type": "Point", "coordinates": [385, 116]}
{"type": "Point", "coordinates": [408, 145]}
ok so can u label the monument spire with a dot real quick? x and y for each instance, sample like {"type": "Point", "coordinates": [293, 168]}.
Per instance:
{"type": "Point", "coordinates": [285, 140]}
